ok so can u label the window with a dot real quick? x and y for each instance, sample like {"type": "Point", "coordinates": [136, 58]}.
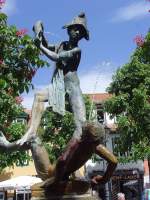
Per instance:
{"type": "Point", "coordinates": [21, 163]}
{"type": "Point", "coordinates": [20, 120]}
{"type": "Point", "coordinates": [100, 113]}
{"type": "Point", "coordinates": [23, 194]}
{"type": "Point", "coordinates": [2, 195]}
{"type": "Point", "coordinates": [115, 145]}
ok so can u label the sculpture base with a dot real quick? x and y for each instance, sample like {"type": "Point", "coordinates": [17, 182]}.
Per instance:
{"type": "Point", "coordinates": [67, 197]}
{"type": "Point", "coordinates": [70, 190]}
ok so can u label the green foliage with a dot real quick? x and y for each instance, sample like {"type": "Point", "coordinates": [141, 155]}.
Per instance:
{"type": "Point", "coordinates": [130, 103]}
{"type": "Point", "coordinates": [13, 132]}
{"type": "Point", "coordinates": [116, 104]}
{"type": "Point", "coordinates": [90, 108]}
{"type": "Point", "coordinates": [19, 60]}
{"type": "Point", "coordinates": [58, 130]}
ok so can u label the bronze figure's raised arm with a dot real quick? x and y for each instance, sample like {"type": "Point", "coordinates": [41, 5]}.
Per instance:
{"type": "Point", "coordinates": [66, 56]}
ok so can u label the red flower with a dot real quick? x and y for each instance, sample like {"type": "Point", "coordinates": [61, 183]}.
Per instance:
{"type": "Point", "coordinates": [21, 32]}
{"type": "Point", "coordinates": [10, 91]}
{"type": "Point", "coordinates": [18, 100]}
{"type": "Point", "coordinates": [31, 73]}
{"type": "Point", "coordinates": [2, 2]}
{"type": "Point", "coordinates": [1, 61]}
{"type": "Point", "coordinates": [139, 40]}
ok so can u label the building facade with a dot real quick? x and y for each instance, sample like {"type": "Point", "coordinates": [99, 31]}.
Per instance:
{"type": "Point", "coordinates": [128, 178]}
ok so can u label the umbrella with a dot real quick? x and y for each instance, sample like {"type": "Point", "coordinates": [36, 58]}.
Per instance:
{"type": "Point", "coordinates": [19, 182]}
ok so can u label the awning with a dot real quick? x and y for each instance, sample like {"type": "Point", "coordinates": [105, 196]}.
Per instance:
{"type": "Point", "coordinates": [20, 182]}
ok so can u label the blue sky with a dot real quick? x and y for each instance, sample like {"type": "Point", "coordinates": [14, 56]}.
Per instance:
{"type": "Point", "coordinates": [112, 25]}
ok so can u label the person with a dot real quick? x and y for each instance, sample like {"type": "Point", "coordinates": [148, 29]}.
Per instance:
{"type": "Point", "coordinates": [120, 196]}
{"type": "Point", "coordinates": [131, 190]}
{"type": "Point", "coordinates": [91, 142]}
{"type": "Point", "coordinates": [64, 80]}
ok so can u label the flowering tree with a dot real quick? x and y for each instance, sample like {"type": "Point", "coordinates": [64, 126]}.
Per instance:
{"type": "Point", "coordinates": [139, 40]}
{"type": "Point", "coordinates": [131, 101]}
{"type": "Point", "coordinates": [19, 60]}
{"type": "Point", "coordinates": [2, 2]}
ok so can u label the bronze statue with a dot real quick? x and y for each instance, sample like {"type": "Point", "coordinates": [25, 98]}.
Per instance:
{"type": "Point", "coordinates": [89, 144]}
{"type": "Point", "coordinates": [86, 137]}
{"type": "Point", "coordinates": [72, 159]}
{"type": "Point", "coordinates": [65, 81]}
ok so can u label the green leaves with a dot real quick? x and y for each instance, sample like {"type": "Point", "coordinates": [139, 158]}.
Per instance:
{"type": "Point", "coordinates": [117, 104]}
{"type": "Point", "coordinates": [131, 103]}
{"type": "Point", "coordinates": [3, 84]}
{"type": "Point", "coordinates": [15, 131]}
{"type": "Point", "coordinates": [56, 131]}
{"type": "Point", "coordinates": [20, 57]}
{"type": "Point", "coordinates": [19, 61]}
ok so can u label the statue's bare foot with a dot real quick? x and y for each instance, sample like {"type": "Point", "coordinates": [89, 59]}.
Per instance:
{"type": "Point", "coordinates": [48, 182]}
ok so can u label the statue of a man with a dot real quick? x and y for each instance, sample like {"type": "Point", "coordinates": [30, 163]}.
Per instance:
{"type": "Point", "coordinates": [86, 140]}
{"type": "Point", "coordinates": [65, 81]}
{"type": "Point", "coordinates": [91, 142]}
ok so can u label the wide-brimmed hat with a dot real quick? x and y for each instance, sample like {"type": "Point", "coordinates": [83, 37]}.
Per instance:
{"type": "Point", "coordinates": [80, 20]}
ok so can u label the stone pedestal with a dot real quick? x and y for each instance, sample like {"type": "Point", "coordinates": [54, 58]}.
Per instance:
{"type": "Point", "coordinates": [71, 190]}
{"type": "Point", "coordinates": [67, 197]}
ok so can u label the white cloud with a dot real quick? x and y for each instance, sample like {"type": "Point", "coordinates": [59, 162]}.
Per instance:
{"type": "Point", "coordinates": [27, 101]}
{"type": "Point", "coordinates": [133, 11]}
{"type": "Point", "coordinates": [9, 7]}
{"type": "Point", "coordinates": [97, 79]}
{"type": "Point", "coordinates": [93, 81]}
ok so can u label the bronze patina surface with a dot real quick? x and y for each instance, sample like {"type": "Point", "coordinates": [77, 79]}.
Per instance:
{"type": "Point", "coordinates": [87, 138]}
